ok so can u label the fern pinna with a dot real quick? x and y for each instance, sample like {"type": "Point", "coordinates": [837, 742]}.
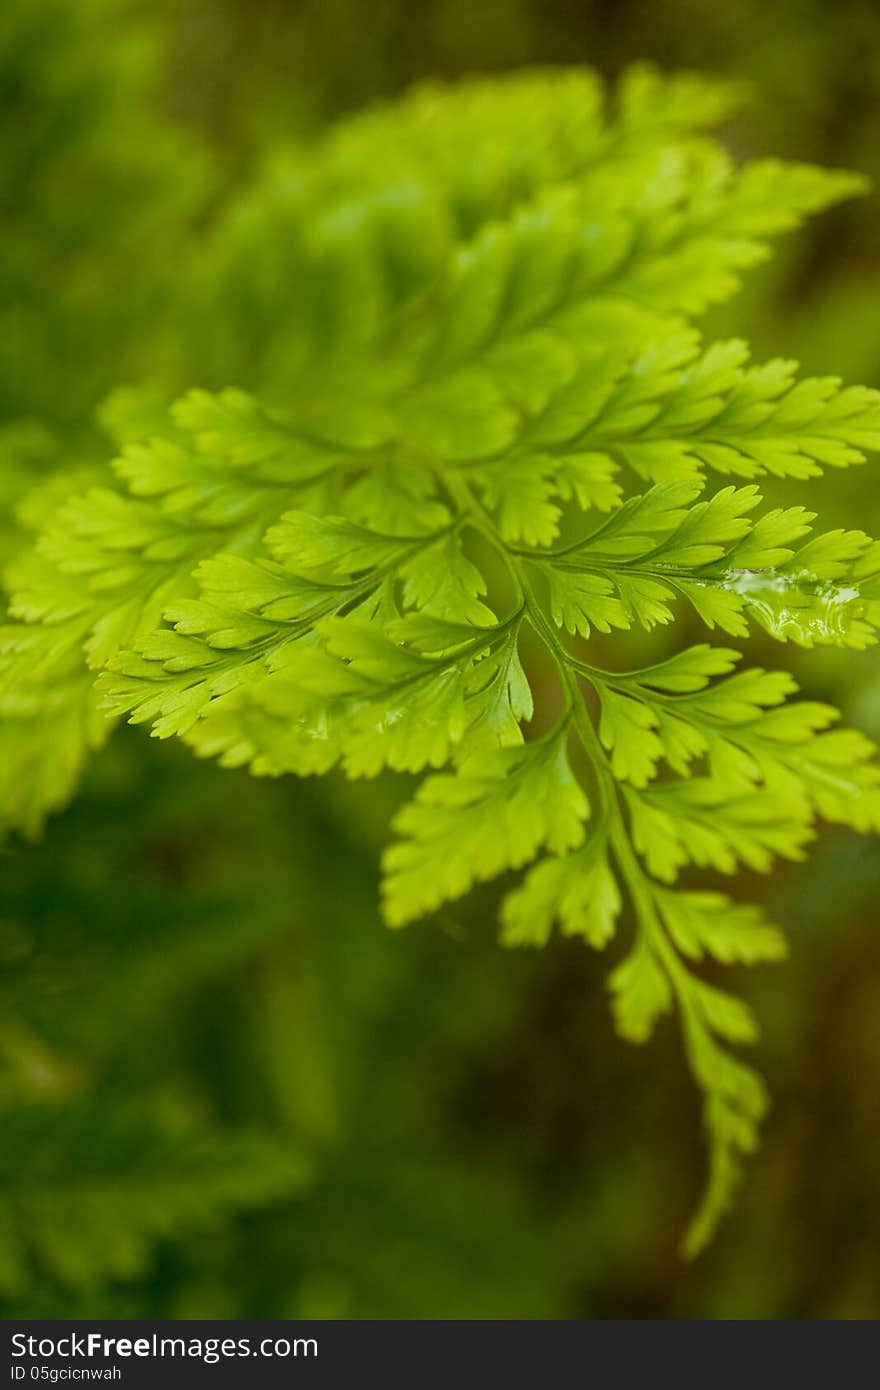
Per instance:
{"type": "Point", "coordinates": [480, 430]}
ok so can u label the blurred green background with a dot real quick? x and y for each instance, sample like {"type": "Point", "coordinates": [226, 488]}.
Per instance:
{"type": "Point", "coordinates": [225, 1089]}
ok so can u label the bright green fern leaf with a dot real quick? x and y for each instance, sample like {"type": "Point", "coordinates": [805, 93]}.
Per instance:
{"type": "Point", "coordinates": [479, 430]}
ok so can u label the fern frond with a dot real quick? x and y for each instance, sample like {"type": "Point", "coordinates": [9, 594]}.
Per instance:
{"type": "Point", "coordinates": [460, 351]}
{"type": "Point", "coordinates": [665, 545]}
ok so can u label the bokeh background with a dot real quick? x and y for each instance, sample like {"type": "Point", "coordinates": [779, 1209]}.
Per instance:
{"type": "Point", "coordinates": [225, 1089]}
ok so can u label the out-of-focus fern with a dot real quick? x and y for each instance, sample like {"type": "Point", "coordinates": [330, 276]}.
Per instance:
{"type": "Point", "coordinates": [93, 181]}
{"type": "Point", "coordinates": [115, 1153]}
{"type": "Point", "coordinates": [88, 1189]}
{"type": "Point", "coordinates": [477, 409]}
